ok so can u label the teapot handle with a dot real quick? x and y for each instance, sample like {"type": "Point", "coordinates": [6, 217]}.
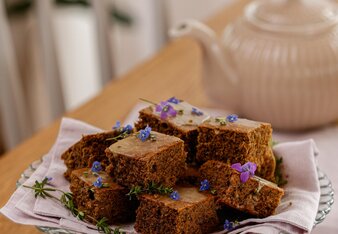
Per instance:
{"type": "Point", "coordinates": [209, 42]}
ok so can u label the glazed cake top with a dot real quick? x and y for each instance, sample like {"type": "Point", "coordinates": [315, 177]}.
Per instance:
{"type": "Point", "coordinates": [86, 175]}
{"type": "Point", "coordinates": [188, 196]}
{"type": "Point", "coordinates": [240, 125]}
{"type": "Point", "coordinates": [134, 147]}
{"type": "Point", "coordinates": [185, 116]}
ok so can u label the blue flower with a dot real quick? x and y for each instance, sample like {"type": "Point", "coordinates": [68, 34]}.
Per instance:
{"type": "Point", "coordinates": [117, 125]}
{"type": "Point", "coordinates": [197, 112]}
{"type": "Point", "coordinates": [173, 100]}
{"type": "Point", "coordinates": [144, 133]}
{"type": "Point", "coordinates": [175, 196]}
{"type": "Point", "coordinates": [204, 185]}
{"type": "Point", "coordinates": [247, 170]}
{"type": "Point", "coordinates": [232, 118]}
{"type": "Point", "coordinates": [128, 129]}
{"type": "Point", "coordinates": [98, 182]}
{"type": "Point", "coordinates": [96, 167]}
{"type": "Point", "coordinates": [228, 225]}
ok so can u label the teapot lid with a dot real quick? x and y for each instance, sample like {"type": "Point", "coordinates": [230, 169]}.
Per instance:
{"type": "Point", "coordinates": [292, 16]}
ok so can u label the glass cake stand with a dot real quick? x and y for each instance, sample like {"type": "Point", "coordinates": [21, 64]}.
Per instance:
{"type": "Point", "coordinates": [325, 202]}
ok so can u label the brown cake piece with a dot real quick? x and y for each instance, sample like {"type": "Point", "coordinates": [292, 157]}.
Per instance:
{"type": "Point", "coordinates": [194, 212]}
{"type": "Point", "coordinates": [109, 201]}
{"type": "Point", "coordinates": [237, 142]}
{"type": "Point", "coordinates": [191, 176]}
{"type": "Point", "coordinates": [183, 125]}
{"type": "Point", "coordinates": [256, 196]}
{"type": "Point", "coordinates": [89, 149]}
{"type": "Point", "coordinates": [159, 159]}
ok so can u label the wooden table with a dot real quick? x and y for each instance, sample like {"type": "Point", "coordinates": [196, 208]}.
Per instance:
{"type": "Point", "coordinates": [176, 70]}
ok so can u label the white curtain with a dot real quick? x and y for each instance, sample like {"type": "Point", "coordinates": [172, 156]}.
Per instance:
{"type": "Point", "coordinates": [15, 120]}
{"type": "Point", "coordinates": [30, 89]}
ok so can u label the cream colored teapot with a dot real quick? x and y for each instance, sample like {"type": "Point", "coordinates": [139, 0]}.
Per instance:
{"type": "Point", "coordinates": [277, 63]}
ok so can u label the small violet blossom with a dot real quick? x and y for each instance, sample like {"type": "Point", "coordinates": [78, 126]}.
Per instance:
{"type": "Point", "coordinates": [197, 112]}
{"type": "Point", "coordinates": [247, 170]}
{"type": "Point", "coordinates": [98, 182]}
{"type": "Point", "coordinates": [144, 133]}
{"type": "Point", "coordinates": [228, 225]}
{"type": "Point", "coordinates": [173, 100]}
{"type": "Point", "coordinates": [166, 110]}
{"type": "Point", "coordinates": [128, 129]}
{"type": "Point", "coordinates": [96, 167]}
{"type": "Point", "coordinates": [49, 179]}
{"type": "Point", "coordinates": [175, 196]}
{"type": "Point", "coordinates": [117, 125]}
{"type": "Point", "coordinates": [204, 185]}
{"type": "Point", "coordinates": [232, 118]}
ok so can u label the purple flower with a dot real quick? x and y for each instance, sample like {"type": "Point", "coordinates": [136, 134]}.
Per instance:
{"type": "Point", "coordinates": [128, 129]}
{"type": "Point", "coordinates": [232, 118]}
{"type": "Point", "coordinates": [117, 125]}
{"type": "Point", "coordinates": [49, 179]}
{"type": "Point", "coordinates": [166, 110]}
{"type": "Point", "coordinates": [174, 100]}
{"type": "Point", "coordinates": [204, 185]}
{"type": "Point", "coordinates": [197, 112]}
{"type": "Point", "coordinates": [96, 167]}
{"type": "Point", "coordinates": [228, 225]}
{"type": "Point", "coordinates": [98, 182]}
{"type": "Point", "coordinates": [175, 196]}
{"type": "Point", "coordinates": [247, 170]}
{"type": "Point", "coordinates": [144, 133]}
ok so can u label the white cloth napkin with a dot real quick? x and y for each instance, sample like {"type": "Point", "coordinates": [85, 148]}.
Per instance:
{"type": "Point", "coordinates": [302, 190]}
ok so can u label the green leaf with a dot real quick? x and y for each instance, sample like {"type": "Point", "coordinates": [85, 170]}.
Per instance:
{"type": "Point", "coordinates": [279, 172]}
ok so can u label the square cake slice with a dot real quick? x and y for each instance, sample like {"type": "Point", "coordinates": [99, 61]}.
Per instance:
{"type": "Point", "coordinates": [256, 196]}
{"type": "Point", "coordinates": [193, 212]}
{"type": "Point", "coordinates": [106, 199]}
{"type": "Point", "coordinates": [89, 149]}
{"type": "Point", "coordinates": [159, 159]}
{"type": "Point", "coordinates": [182, 122]}
{"type": "Point", "coordinates": [234, 142]}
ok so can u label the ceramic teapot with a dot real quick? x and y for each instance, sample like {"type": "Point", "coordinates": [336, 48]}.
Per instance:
{"type": "Point", "coordinates": [277, 63]}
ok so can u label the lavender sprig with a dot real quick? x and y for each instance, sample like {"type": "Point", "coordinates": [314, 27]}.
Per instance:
{"type": "Point", "coordinates": [151, 188]}
{"type": "Point", "coordinates": [66, 199]}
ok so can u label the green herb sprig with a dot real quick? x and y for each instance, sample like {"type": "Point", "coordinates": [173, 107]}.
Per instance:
{"type": "Point", "coordinates": [272, 143]}
{"type": "Point", "coordinates": [158, 189]}
{"type": "Point", "coordinates": [134, 191]}
{"type": "Point", "coordinates": [147, 101]}
{"type": "Point", "coordinates": [119, 137]}
{"type": "Point", "coordinates": [279, 174]}
{"type": "Point", "coordinates": [213, 191]}
{"type": "Point", "coordinates": [221, 120]}
{"type": "Point", "coordinates": [66, 199]}
{"type": "Point", "coordinates": [152, 188]}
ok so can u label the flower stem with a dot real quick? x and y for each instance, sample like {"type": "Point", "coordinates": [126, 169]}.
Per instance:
{"type": "Point", "coordinates": [145, 100]}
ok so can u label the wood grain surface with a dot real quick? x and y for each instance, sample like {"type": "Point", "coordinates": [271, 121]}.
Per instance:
{"type": "Point", "coordinates": [175, 70]}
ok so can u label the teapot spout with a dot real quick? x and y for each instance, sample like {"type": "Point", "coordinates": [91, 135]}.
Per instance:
{"type": "Point", "coordinates": [215, 60]}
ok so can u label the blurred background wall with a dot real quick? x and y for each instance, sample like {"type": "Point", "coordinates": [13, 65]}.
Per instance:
{"type": "Point", "coordinates": [56, 54]}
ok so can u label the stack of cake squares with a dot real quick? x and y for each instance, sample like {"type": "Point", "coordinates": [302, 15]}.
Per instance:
{"type": "Point", "coordinates": [202, 163]}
